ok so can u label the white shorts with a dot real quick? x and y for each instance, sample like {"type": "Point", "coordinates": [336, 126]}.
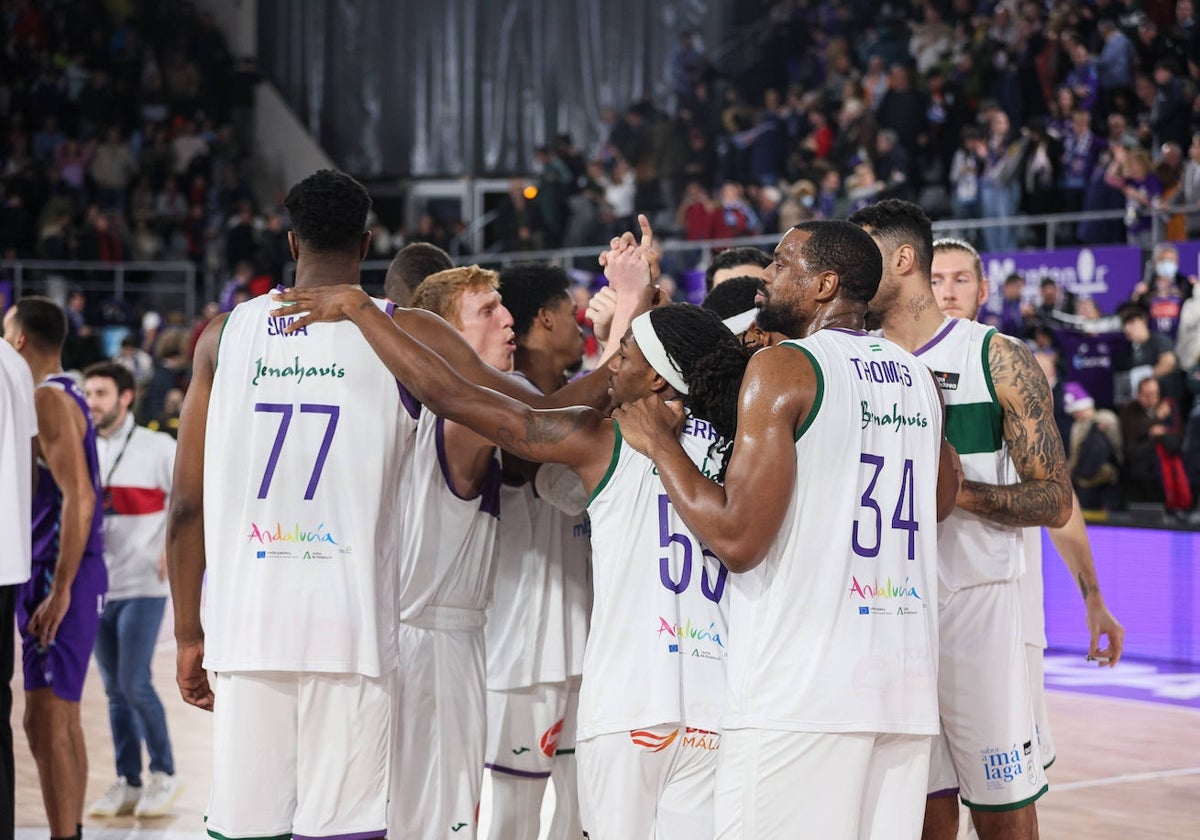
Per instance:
{"type": "Point", "coordinates": [650, 784]}
{"type": "Point", "coordinates": [835, 785]}
{"type": "Point", "coordinates": [527, 729]}
{"type": "Point", "coordinates": [988, 749]}
{"type": "Point", "coordinates": [437, 765]}
{"type": "Point", "coordinates": [1035, 657]}
{"type": "Point", "coordinates": [301, 754]}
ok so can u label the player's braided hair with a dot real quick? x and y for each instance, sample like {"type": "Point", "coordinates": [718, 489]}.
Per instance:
{"type": "Point", "coordinates": [712, 362]}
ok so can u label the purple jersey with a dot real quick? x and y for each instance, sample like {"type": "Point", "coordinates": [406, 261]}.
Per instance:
{"type": "Point", "coordinates": [47, 499]}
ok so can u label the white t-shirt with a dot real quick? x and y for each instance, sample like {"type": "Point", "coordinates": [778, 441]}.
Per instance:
{"type": "Point", "coordinates": [305, 446]}
{"type": "Point", "coordinates": [836, 629]}
{"type": "Point", "coordinates": [136, 466]}
{"type": "Point", "coordinates": [18, 426]}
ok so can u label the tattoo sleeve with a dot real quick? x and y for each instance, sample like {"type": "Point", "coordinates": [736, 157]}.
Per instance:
{"type": "Point", "coordinates": [1043, 495]}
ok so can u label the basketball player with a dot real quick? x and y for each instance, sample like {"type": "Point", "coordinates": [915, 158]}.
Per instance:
{"type": "Point", "coordinates": [537, 620]}
{"type": "Point", "coordinates": [18, 440]}
{"type": "Point", "coordinates": [304, 616]}
{"type": "Point", "coordinates": [451, 508]}
{"type": "Point", "coordinates": [733, 301]}
{"type": "Point", "coordinates": [1000, 418]}
{"type": "Point", "coordinates": [58, 609]}
{"type": "Point", "coordinates": [832, 676]}
{"type": "Point", "coordinates": [647, 723]}
{"type": "Point", "coordinates": [960, 290]}
{"type": "Point", "coordinates": [409, 268]}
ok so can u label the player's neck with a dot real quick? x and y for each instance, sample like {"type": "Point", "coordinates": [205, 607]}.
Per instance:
{"type": "Point", "coordinates": [43, 368]}
{"type": "Point", "coordinates": [839, 315]}
{"type": "Point", "coordinates": [540, 367]}
{"type": "Point", "coordinates": [327, 270]}
{"type": "Point", "coordinates": [915, 318]}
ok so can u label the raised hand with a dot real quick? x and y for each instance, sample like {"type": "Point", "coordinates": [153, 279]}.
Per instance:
{"type": "Point", "coordinates": [600, 311]}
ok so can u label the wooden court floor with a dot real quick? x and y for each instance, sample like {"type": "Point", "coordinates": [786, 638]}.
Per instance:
{"type": "Point", "coordinates": [1126, 770]}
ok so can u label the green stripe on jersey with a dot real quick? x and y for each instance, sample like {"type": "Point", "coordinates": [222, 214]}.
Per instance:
{"type": "Point", "coordinates": [812, 412]}
{"type": "Point", "coordinates": [612, 464]}
{"type": "Point", "coordinates": [218, 836]}
{"type": "Point", "coordinates": [974, 427]}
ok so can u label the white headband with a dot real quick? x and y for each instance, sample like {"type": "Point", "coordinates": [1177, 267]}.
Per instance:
{"type": "Point", "coordinates": [652, 348]}
{"type": "Point", "coordinates": [738, 324]}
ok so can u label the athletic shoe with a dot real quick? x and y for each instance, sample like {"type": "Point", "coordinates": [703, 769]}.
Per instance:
{"type": "Point", "coordinates": [158, 797]}
{"type": "Point", "coordinates": [119, 801]}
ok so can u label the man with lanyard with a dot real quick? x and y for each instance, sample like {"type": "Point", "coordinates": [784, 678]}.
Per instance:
{"type": "Point", "coordinates": [135, 468]}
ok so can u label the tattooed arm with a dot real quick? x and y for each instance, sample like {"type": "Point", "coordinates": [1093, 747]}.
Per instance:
{"type": "Point", "coordinates": [579, 436]}
{"type": "Point", "coordinates": [1043, 495]}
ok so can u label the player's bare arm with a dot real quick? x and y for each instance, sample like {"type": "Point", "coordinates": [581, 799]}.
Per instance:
{"type": "Point", "coordinates": [739, 520]}
{"type": "Point", "coordinates": [577, 436]}
{"type": "Point", "coordinates": [1043, 495]}
{"type": "Point", "coordinates": [61, 429]}
{"type": "Point", "coordinates": [950, 474]}
{"type": "Point", "coordinates": [185, 523]}
{"type": "Point", "coordinates": [1072, 544]}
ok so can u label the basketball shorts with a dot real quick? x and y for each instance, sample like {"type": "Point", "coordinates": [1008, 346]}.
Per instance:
{"type": "Point", "coordinates": [437, 769]}
{"type": "Point", "coordinates": [655, 783]}
{"type": "Point", "coordinates": [62, 665]}
{"type": "Point", "coordinates": [527, 728]}
{"type": "Point", "coordinates": [299, 754]}
{"type": "Point", "coordinates": [1035, 658]}
{"type": "Point", "coordinates": [988, 748]}
{"type": "Point", "coordinates": [838, 786]}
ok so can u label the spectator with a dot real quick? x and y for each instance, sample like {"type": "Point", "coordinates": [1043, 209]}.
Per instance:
{"type": "Point", "coordinates": [1153, 355]}
{"type": "Point", "coordinates": [113, 167]}
{"type": "Point", "coordinates": [1000, 186]}
{"type": "Point", "coordinates": [1150, 431]}
{"type": "Point", "coordinates": [1130, 172]}
{"type": "Point", "coordinates": [1170, 116]}
{"type": "Point", "coordinates": [241, 236]}
{"type": "Point", "coordinates": [1080, 151]}
{"type": "Point", "coordinates": [1164, 294]}
{"type": "Point", "coordinates": [1093, 454]}
{"type": "Point", "coordinates": [1117, 57]}
{"type": "Point", "coordinates": [735, 262]}
{"type": "Point", "coordinates": [734, 217]}
{"type": "Point", "coordinates": [1188, 192]}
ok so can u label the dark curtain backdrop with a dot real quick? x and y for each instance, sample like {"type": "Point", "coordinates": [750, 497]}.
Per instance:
{"type": "Point", "coordinates": [468, 86]}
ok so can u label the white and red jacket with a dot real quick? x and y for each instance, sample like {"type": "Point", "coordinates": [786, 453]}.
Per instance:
{"type": "Point", "coordinates": [135, 471]}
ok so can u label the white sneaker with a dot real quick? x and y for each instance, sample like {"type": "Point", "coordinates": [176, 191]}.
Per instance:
{"type": "Point", "coordinates": [158, 797]}
{"type": "Point", "coordinates": [119, 801]}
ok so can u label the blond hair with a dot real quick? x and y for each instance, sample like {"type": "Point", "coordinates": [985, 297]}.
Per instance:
{"type": "Point", "coordinates": [440, 293]}
{"type": "Point", "coordinates": [951, 243]}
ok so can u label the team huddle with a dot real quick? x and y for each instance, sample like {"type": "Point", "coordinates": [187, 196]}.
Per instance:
{"type": "Point", "coordinates": [710, 591]}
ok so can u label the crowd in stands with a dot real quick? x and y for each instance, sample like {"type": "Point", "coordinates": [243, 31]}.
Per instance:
{"type": "Point", "coordinates": [972, 109]}
{"type": "Point", "coordinates": [1139, 443]}
{"type": "Point", "coordinates": [124, 138]}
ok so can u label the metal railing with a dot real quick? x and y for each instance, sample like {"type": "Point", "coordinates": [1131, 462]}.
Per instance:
{"type": "Point", "coordinates": [170, 284]}
{"type": "Point", "coordinates": [179, 285]}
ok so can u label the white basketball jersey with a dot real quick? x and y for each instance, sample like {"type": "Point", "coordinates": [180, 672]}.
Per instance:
{"type": "Point", "coordinates": [836, 629]}
{"type": "Point", "coordinates": [449, 542]}
{"type": "Point", "coordinates": [537, 620]}
{"type": "Point", "coordinates": [973, 550]}
{"type": "Point", "coordinates": [305, 440]}
{"type": "Point", "coordinates": [659, 636]}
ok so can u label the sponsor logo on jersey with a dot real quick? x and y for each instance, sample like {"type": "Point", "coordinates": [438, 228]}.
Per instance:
{"type": "Point", "coordinates": [701, 739]}
{"type": "Point", "coordinates": [946, 381]}
{"type": "Point", "coordinates": [297, 370]}
{"type": "Point", "coordinates": [276, 326]}
{"type": "Point", "coordinates": [687, 637]}
{"type": "Point", "coordinates": [548, 743]}
{"type": "Point", "coordinates": [890, 417]}
{"type": "Point", "coordinates": [873, 591]}
{"type": "Point", "coordinates": [458, 826]}
{"type": "Point", "coordinates": [652, 741]}
{"type": "Point", "coordinates": [520, 750]}
{"type": "Point", "coordinates": [266, 534]}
